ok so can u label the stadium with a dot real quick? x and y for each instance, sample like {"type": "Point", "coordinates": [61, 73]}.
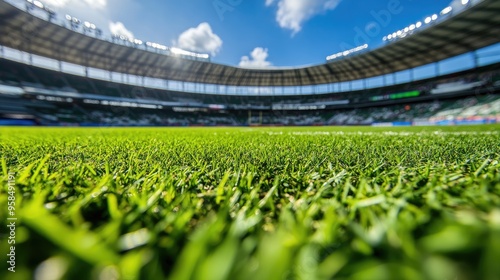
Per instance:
{"type": "Point", "coordinates": [151, 86]}
{"type": "Point", "coordinates": [129, 159]}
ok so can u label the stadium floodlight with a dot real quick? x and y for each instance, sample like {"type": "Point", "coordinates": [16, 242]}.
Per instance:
{"type": "Point", "coordinates": [156, 46]}
{"type": "Point", "coordinates": [89, 25]}
{"type": "Point", "coordinates": [412, 28]}
{"type": "Point", "coordinates": [38, 4]}
{"type": "Point", "coordinates": [403, 32]}
{"type": "Point", "coordinates": [178, 51]}
{"type": "Point", "coordinates": [465, 2]}
{"type": "Point", "coordinates": [75, 23]}
{"type": "Point", "coordinates": [347, 52]}
{"type": "Point", "coordinates": [446, 10]}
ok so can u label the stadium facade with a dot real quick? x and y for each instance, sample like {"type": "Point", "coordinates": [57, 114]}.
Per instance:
{"type": "Point", "coordinates": [62, 71]}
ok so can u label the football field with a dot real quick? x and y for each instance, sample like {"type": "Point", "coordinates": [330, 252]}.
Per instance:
{"type": "Point", "coordinates": [250, 203]}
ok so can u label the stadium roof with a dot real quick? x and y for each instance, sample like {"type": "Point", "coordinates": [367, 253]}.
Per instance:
{"type": "Point", "coordinates": [470, 30]}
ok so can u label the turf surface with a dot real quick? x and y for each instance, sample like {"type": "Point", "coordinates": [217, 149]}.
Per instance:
{"type": "Point", "coordinates": [252, 203]}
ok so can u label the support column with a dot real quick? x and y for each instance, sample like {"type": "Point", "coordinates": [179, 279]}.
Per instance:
{"type": "Point", "coordinates": [476, 59]}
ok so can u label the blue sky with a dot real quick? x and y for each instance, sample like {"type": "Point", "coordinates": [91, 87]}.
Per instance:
{"type": "Point", "coordinates": [254, 33]}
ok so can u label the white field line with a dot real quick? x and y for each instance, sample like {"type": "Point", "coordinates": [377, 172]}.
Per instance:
{"type": "Point", "coordinates": [385, 133]}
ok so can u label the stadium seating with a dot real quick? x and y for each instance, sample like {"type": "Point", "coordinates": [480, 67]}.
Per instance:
{"type": "Point", "coordinates": [55, 98]}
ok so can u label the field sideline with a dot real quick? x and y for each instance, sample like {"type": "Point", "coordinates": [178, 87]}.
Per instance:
{"type": "Point", "coordinates": [251, 203]}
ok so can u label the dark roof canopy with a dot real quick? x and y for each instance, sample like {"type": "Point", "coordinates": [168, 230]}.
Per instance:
{"type": "Point", "coordinates": [470, 30]}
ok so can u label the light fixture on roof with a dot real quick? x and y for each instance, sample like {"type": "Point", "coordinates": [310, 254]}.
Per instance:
{"type": "Point", "coordinates": [89, 25]}
{"type": "Point", "coordinates": [413, 27]}
{"type": "Point", "coordinates": [405, 31]}
{"type": "Point", "coordinates": [38, 4]}
{"type": "Point", "coordinates": [347, 53]}
{"type": "Point", "coordinates": [74, 22]}
{"type": "Point", "coordinates": [178, 51]}
{"type": "Point", "coordinates": [156, 46]}
{"type": "Point", "coordinates": [72, 19]}
{"type": "Point", "coordinates": [446, 10]}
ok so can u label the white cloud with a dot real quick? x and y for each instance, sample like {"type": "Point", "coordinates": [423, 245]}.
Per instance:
{"type": "Point", "coordinates": [258, 59]}
{"type": "Point", "coordinates": [292, 14]}
{"type": "Point", "coordinates": [119, 29]}
{"type": "Point", "coordinates": [55, 3]}
{"type": "Point", "coordinates": [99, 4]}
{"type": "Point", "coordinates": [200, 39]}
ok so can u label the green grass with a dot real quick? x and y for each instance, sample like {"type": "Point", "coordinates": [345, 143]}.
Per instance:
{"type": "Point", "coordinates": [242, 203]}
